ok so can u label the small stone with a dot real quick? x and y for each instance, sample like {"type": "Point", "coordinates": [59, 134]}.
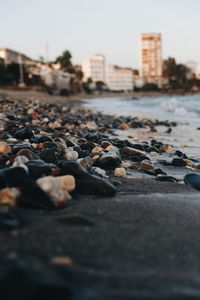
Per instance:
{"type": "Point", "coordinates": [8, 196]}
{"type": "Point", "coordinates": [120, 172]}
{"type": "Point", "coordinates": [4, 148]}
{"type": "Point", "coordinates": [109, 160]}
{"type": "Point", "coordinates": [111, 148]}
{"type": "Point", "coordinates": [98, 171]}
{"type": "Point", "coordinates": [62, 261]}
{"type": "Point", "coordinates": [20, 160]}
{"type": "Point", "coordinates": [167, 148]}
{"type": "Point", "coordinates": [126, 165]}
{"type": "Point", "coordinates": [71, 155]}
{"type": "Point", "coordinates": [97, 149]}
{"type": "Point", "coordinates": [133, 152]}
{"type": "Point", "coordinates": [95, 157]}
{"type": "Point", "coordinates": [146, 164]}
{"type": "Point", "coordinates": [193, 180]}
{"type": "Point", "coordinates": [91, 125]}
{"type": "Point", "coordinates": [87, 162]}
{"type": "Point", "coordinates": [105, 144]}
{"type": "Point", "coordinates": [24, 133]}
{"type": "Point", "coordinates": [189, 163]}
{"type": "Point", "coordinates": [54, 125]}
{"type": "Point", "coordinates": [124, 126]}
{"type": "Point", "coordinates": [11, 140]}
{"type": "Point", "coordinates": [57, 188]}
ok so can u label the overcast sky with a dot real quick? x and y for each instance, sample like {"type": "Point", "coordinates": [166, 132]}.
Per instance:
{"type": "Point", "coordinates": [111, 27]}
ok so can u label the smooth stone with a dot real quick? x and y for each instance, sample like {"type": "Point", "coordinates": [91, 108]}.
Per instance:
{"type": "Point", "coordinates": [166, 178]}
{"type": "Point", "coordinates": [178, 162]}
{"type": "Point", "coordinates": [45, 138]}
{"type": "Point", "coordinates": [109, 160]}
{"type": "Point", "coordinates": [30, 155]}
{"type": "Point", "coordinates": [14, 177]}
{"type": "Point", "coordinates": [49, 155]}
{"type": "Point", "coordinates": [153, 149]}
{"type": "Point", "coordinates": [24, 133]}
{"type": "Point", "coordinates": [193, 180]}
{"type": "Point", "coordinates": [8, 196]}
{"type": "Point", "coordinates": [120, 172]}
{"type": "Point", "coordinates": [33, 196]}
{"type": "Point", "coordinates": [133, 152]}
{"type": "Point", "coordinates": [38, 168]}
{"type": "Point", "coordinates": [17, 147]}
{"type": "Point", "coordinates": [85, 182]}
{"type": "Point", "coordinates": [4, 148]}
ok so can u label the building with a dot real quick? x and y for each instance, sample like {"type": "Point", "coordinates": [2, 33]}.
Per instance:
{"type": "Point", "coordinates": [10, 56]}
{"type": "Point", "coordinates": [94, 68]}
{"type": "Point", "coordinates": [119, 79]}
{"type": "Point", "coordinates": [151, 57]}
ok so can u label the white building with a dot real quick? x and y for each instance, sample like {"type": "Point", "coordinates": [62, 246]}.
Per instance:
{"type": "Point", "coordinates": [151, 56]}
{"type": "Point", "coordinates": [119, 79]}
{"type": "Point", "coordinates": [94, 68]}
{"type": "Point", "coordinates": [10, 56]}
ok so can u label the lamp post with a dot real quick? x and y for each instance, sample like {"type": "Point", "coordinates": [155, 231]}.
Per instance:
{"type": "Point", "coordinates": [21, 72]}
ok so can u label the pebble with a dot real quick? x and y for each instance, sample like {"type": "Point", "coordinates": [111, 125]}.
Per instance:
{"type": "Point", "coordinates": [124, 126]}
{"type": "Point", "coordinates": [146, 164]}
{"type": "Point", "coordinates": [71, 155]}
{"type": "Point", "coordinates": [167, 148]}
{"type": "Point", "coordinates": [4, 148]}
{"type": "Point", "coordinates": [9, 196]}
{"type": "Point", "coordinates": [120, 172]}
{"type": "Point", "coordinates": [193, 180]}
{"type": "Point", "coordinates": [133, 152]}
{"type": "Point", "coordinates": [57, 188]}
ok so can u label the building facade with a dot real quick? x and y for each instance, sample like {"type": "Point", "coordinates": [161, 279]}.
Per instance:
{"type": "Point", "coordinates": [119, 79]}
{"type": "Point", "coordinates": [10, 56]}
{"type": "Point", "coordinates": [94, 68]}
{"type": "Point", "coordinates": [151, 56]}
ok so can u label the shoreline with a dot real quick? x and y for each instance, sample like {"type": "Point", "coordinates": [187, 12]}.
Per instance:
{"type": "Point", "coordinates": [97, 246]}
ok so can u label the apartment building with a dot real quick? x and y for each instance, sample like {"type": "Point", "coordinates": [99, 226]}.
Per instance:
{"type": "Point", "coordinates": [119, 79]}
{"type": "Point", "coordinates": [151, 56]}
{"type": "Point", "coordinates": [94, 68]}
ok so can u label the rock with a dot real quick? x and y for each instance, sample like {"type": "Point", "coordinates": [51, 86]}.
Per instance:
{"type": "Point", "coordinates": [189, 163]}
{"type": "Point", "coordinates": [14, 177]}
{"type": "Point", "coordinates": [126, 165]}
{"type": "Point", "coordinates": [8, 196]}
{"type": "Point", "coordinates": [193, 180]}
{"type": "Point", "coordinates": [109, 160]}
{"type": "Point", "coordinates": [57, 188]}
{"type": "Point", "coordinates": [86, 183]}
{"type": "Point", "coordinates": [166, 178]}
{"type": "Point", "coordinates": [38, 168]}
{"type": "Point", "coordinates": [97, 149]}
{"type": "Point", "coordinates": [146, 164]}
{"type": "Point", "coordinates": [133, 152]}
{"type": "Point", "coordinates": [178, 162]}
{"type": "Point", "coordinates": [30, 155]}
{"type": "Point", "coordinates": [61, 261]}
{"type": "Point", "coordinates": [8, 220]}
{"type": "Point", "coordinates": [49, 155]}
{"type": "Point", "coordinates": [45, 138]}
{"type": "Point", "coordinates": [71, 155]}
{"type": "Point", "coordinates": [152, 149]}
{"type": "Point", "coordinates": [98, 171]}
{"type": "Point", "coordinates": [17, 147]}
{"type": "Point", "coordinates": [24, 133]}
{"type": "Point", "coordinates": [120, 172]}
{"type": "Point", "coordinates": [20, 160]}
{"type": "Point", "coordinates": [33, 196]}
{"type": "Point", "coordinates": [124, 126]}
{"type": "Point", "coordinates": [111, 148]}
{"type": "Point", "coordinates": [167, 148]}
{"type": "Point", "coordinates": [54, 125]}
{"type": "Point", "coordinates": [91, 125]}
{"type": "Point", "coordinates": [4, 148]}
{"type": "Point", "coordinates": [87, 162]}
{"type": "Point", "coordinates": [105, 144]}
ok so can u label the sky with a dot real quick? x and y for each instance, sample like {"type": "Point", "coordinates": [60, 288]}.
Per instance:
{"type": "Point", "coordinates": [110, 27]}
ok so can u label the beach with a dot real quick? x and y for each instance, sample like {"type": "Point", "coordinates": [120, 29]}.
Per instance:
{"type": "Point", "coordinates": [133, 237]}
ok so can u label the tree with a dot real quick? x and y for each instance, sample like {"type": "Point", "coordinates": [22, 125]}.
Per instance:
{"type": "Point", "coordinates": [175, 73]}
{"type": "Point", "coordinates": [65, 60]}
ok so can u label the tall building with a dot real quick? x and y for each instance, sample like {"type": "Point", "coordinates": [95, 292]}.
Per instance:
{"type": "Point", "coordinates": [151, 56]}
{"type": "Point", "coordinates": [119, 79]}
{"type": "Point", "coordinates": [10, 56]}
{"type": "Point", "coordinates": [94, 68]}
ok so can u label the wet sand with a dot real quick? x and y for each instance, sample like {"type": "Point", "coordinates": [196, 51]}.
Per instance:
{"type": "Point", "coordinates": [141, 244]}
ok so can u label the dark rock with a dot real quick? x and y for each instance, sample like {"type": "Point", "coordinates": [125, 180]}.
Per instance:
{"type": "Point", "coordinates": [38, 168]}
{"type": "Point", "coordinates": [166, 178]}
{"type": "Point", "coordinates": [13, 177]}
{"type": "Point", "coordinates": [24, 133]}
{"type": "Point", "coordinates": [152, 149]}
{"type": "Point", "coordinates": [28, 153]}
{"type": "Point", "coordinates": [178, 162]}
{"type": "Point", "coordinates": [133, 152]}
{"type": "Point", "coordinates": [18, 147]}
{"type": "Point", "coordinates": [33, 196]}
{"type": "Point", "coordinates": [45, 138]}
{"type": "Point", "coordinates": [85, 182]}
{"type": "Point", "coordinates": [49, 155]}
{"type": "Point", "coordinates": [193, 180]}
{"type": "Point", "coordinates": [109, 160]}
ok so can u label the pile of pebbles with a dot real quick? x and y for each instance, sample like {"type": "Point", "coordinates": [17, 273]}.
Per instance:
{"type": "Point", "coordinates": [50, 152]}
